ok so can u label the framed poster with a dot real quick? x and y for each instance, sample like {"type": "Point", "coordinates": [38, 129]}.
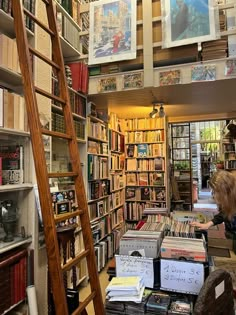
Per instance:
{"type": "Point", "coordinates": [133, 81]}
{"type": "Point", "coordinates": [112, 31]}
{"type": "Point", "coordinates": [107, 85]}
{"type": "Point", "coordinates": [188, 21]}
{"type": "Point", "coordinates": [170, 77]}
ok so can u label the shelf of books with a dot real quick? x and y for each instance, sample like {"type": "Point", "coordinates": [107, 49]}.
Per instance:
{"type": "Point", "coordinates": [145, 166]}
{"type": "Point", "coordinates": [67, 14]}
{"type": "Point", "coordinates": [181, 160]}
{"type": "Point", "coordinates": [117, 176]}
{"type": "Point", "coordinates": [229, 149]}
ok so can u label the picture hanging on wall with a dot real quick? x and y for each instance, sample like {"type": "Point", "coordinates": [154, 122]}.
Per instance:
{"type": "Point", "coordinates": [203, 73]}
{"type": "Point", "coordinates": [188, 21]}
{"type": "Point", "coordinates": [230, 68]}
{"type": "Point", "coordinates": [107, 85]}
{"type": "Point", "coordinates": [132, 81]}
{"type": "Point", "coordinates": [112, 31]}
{"type": "Point", "coordinates": [170, 77]}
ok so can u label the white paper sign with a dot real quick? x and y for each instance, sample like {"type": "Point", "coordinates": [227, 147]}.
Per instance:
{"type": "Point", "coordinates": [181, 276]}
{"type": "Point", "coordinates": [135, 266]}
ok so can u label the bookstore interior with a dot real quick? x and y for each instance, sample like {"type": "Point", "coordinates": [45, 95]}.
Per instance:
{"type": "Point", "coordinates": [131, 117]}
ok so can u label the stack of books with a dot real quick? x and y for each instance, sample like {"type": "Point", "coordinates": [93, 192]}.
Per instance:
{"type": "Point", "coordinates": [125, 289]}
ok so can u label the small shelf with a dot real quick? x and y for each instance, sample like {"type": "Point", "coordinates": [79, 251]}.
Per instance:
{"type": "Point", "coordinates": [10, 79]}
{"type": "Point", "coordinates": [7, 25]}
{"type": "Point", "coordinates": [97, 139]}
{"type": "Point", "coordinates": [147, 129]}
{"type": "Point", "coordinates": [6, 188]}
{"type": "Point", "coordinates": [68, 50]}
{"type": "Point", "coordinates": [18, 241]}
{"type": "Point", "coordinates": [13, 132]}
{"type": "Point", "coordinates": [95, 119]}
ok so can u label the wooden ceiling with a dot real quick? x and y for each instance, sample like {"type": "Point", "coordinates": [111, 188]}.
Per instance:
{"type": "Point", "coordinates": [181, 101]}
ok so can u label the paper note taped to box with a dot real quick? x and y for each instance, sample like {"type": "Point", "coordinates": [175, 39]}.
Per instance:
{"type": "Point", "coordinates": [181, 276]}
{"type": "Point", "coordinates": [135, 266]}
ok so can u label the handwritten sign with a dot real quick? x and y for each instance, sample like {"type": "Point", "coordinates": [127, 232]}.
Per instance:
{"type": "Point", "coordinates": [181, 276]}
{"type": "Point", "coordinates": [135, 266]}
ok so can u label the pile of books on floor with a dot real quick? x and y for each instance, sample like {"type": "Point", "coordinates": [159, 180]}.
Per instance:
{"type": "Point", "coordinates": [152, 302]}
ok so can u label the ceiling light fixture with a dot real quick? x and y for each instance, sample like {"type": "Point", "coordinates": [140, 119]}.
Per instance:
{"type": "Point", "coordinates": [162, 111]}
{"type": "Point", "coordinates": [153, 112]}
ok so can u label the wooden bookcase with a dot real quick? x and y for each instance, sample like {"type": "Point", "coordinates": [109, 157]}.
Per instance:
{"type": "Point", "coordinates": [145, 166]}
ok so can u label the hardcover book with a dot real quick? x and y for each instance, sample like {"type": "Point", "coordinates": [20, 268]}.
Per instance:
{"type": "Point", "coordinates": [12, 164]}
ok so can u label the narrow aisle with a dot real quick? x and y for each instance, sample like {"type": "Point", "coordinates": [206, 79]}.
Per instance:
{"type": "Point", "coordinates": [85, 291]}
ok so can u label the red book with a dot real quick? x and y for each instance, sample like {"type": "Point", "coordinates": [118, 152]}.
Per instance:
{"type": "Point", "coordinates": [85, 79]}
{"type": "Point", "coordinates": [76, 73]}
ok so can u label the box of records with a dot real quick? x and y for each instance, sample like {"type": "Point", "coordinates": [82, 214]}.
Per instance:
{"type": "Point", "coordinates": [185, 248]}
{"type": "Point", "coordinates": [141, 243]}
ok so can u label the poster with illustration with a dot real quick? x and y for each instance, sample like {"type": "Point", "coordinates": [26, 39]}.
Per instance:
{"type": "Point", "coordinates": [112, 31]}
{"type": "Point", "coordinates": [188, 21]}
{"type": "Point", "coordinates": [203, 73]}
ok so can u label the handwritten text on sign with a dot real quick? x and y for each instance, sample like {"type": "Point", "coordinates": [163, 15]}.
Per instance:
{"type": "Point", "coordinates": [135, 266]}
{"type": "Point", "coordinates": [182, 276]}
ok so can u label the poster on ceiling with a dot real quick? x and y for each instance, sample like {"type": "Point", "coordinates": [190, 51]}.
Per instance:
{"type": "Point", "coordinates": [112, 31]}
{"type": "Point", "coordinates": [188, 21]}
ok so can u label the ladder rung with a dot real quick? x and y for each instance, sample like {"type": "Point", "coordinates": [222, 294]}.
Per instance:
{"type": "Point", "coordinates": [62, 217]}
{"type": "Point", "coordinates": [75, 260]}
{"type": "Point", "coordinates": [59, 175]}
{"type": "Point", "coordinates": [43, 26]}
{"type": "Point", "coordinates": [56, 134]}
{"type": "Point", "coordinates": [83, 304]}
{"type": "Point", "coordinates": [49, 95]}
{"type": "Point", "coordinates": [44, 58]}
{"type": "Point", "coordinates": [46, 2]}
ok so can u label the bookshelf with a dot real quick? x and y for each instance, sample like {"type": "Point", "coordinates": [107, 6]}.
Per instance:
{"type": "Point", "coordinates": [181, 161]}
{"type": "Point", "coordinates": [117, 176]}
{"type": "Point", "coordinates": [145, 166]}
{"type": "Point", "coordinates": [229, 150]}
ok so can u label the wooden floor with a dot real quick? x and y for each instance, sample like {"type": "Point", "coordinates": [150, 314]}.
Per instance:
{"type": "Point", "coordinates": [85, 291]}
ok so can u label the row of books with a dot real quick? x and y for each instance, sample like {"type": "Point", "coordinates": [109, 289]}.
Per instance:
{"type": "Point", "coordinates": [79, 76]}
{"type": "Point", "coordinates": [145, 150]}
{"type": "Point", "coordinates": [155, 164]}
{"type": "Point", "coordinates": [117, 198]}
{"type": "Point", "coordinates": [145, 179]}
{"type": "Point", "coordinates": [116, 141]}
{"type": "Point", "coordinates": [144, 136]}
{"type": "Point", "coordinates": [98, 209]}
{"type": "Point", "coordinates": [134, 210]}
{"type": "Point", "coordinates": [97, 167]}
{"type": "Point", "coordinates": [117, 217]}
{"type": "Point", "coordinates": [117, 162]}
{"type": "Point", "coordinates": [145, 193]}
{"type": "Point", "coordinates": [95, 147]}
{"type": "Point", "coordinates": [68, 30]}
{"type": "Point", "coordinates": [12, 111]}
{"type": "Point", "coordinates": [13, 271]}
{"type": "Point", "coordinates": [143, 123]}
{"type": "Point", "coordinates": [117, 181]}
{"type": "Point", "coordinates": [98, 189]}
{"type": "Point", "coordinates": [8, 54]}
{"type": "Point", "coordinates": [58, 124]}
{"type": "Point", "coordinates": [97, 130]}
{"type": "Point", "coordinates": [72, 7]}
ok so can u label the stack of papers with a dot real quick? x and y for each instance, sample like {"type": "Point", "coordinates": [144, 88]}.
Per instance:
{"type": "Point", "coordinates": [125, 289]}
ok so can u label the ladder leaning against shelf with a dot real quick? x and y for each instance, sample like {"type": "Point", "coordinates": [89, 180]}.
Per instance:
{"type": "Point", "coordinates": [31, 91]}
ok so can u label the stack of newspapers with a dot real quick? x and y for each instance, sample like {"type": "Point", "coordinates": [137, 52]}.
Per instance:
{"type": "Point", "coordinates": [125, 289]}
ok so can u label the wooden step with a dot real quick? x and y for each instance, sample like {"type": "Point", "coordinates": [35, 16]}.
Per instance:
{"type": "Point", "coordinates": [44, 58]}
{"type": "Point", "coordinates": [49, 95]}
{"type": "Point", "coordinates": [56, 134]}
{"type": "Point", "coordinates": [83, 304]}
{"type": "Point", "coordinates": [64, 174]}
{"type": "Point", "coordinates": [75, 261]}
{"type": "Point", "coordinates": [66, 216]}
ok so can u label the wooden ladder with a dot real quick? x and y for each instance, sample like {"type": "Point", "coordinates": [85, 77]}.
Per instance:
{"type": "Point", "coordinates": [56, 269]}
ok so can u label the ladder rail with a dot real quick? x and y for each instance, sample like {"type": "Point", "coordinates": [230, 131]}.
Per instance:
{"type": "Point", "coordinates": [76, 166]}
{"type": "Point", "coordinates": [30, 91]}
{"type": "Point", "coordinates": [39, 158]}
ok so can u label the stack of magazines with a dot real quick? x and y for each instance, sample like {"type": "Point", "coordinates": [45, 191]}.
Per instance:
{"type": "Point", "coordinates": [125, 289]}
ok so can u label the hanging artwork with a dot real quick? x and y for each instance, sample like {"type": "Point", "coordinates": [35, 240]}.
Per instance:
{"type": "Point", "coordinates": [170, 77]}
{"type": "Point", "coordinates": [230, 68]}
{"type": "Point", "coordinates": [203, 73]}
{"type": "Point", "coordinates": [112, 31]}
{"type": "Point", "coordinates": [133, 81]}
{"type": "Point", "coordinates": [107, 85]}
{"type": "Point", "coordinates": [188, 21]}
